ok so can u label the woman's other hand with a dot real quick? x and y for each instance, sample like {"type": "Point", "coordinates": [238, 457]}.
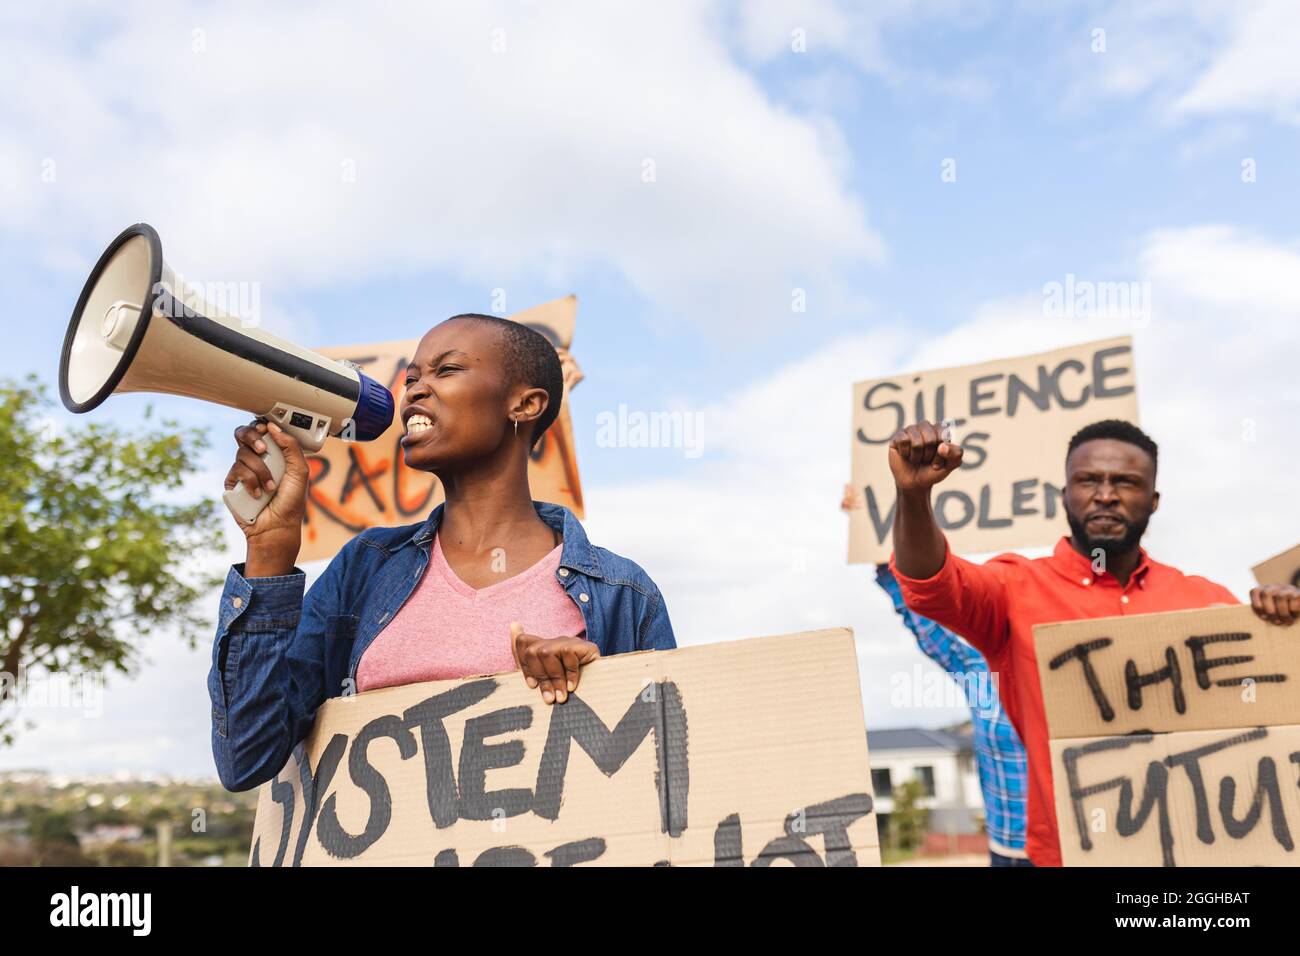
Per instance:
{"type": "Point", "coordinates": [552, 663]}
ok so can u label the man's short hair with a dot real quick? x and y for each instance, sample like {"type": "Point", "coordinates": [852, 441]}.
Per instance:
{"type": "Point", "coordinates": [529, 360]}
{"type": "Point", "coordinates": [1118, 430]}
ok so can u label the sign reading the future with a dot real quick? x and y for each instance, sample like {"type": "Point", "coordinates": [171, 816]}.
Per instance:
{"type": "Point", "coordinates": [748, 753]}
{"type": "Point", "coordinates": [1013, 418]}
{"type": "Point", "coordinates": [1175, 738]}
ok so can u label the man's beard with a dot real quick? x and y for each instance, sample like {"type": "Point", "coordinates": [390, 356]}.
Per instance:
{"type": "Point", "coordinates": [1111, 547]}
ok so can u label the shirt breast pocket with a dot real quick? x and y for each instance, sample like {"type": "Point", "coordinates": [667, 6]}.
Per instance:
{"type": "Point", "coordinates": [340, 634]}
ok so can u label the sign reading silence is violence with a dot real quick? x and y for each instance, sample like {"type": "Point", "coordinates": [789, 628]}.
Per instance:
{"type": "Point", "coordinates": [1012, 417]}
{"type": "Point", "coordinates": [356, 486]}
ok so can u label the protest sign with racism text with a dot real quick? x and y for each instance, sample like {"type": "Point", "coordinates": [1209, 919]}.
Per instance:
{"type": "Point", "coordinates": [359, 485]}
{"type": "Point", "coordinates": [1283, 568]}
{"type": "Point", "coordinates": [743, 753]}
{"type": "Point", "coordinates": [1175, 738]}
{"type": "Point", "coordinates": [1013, 418]}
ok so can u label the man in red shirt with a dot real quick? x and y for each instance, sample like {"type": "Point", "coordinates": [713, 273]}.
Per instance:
{"type": "Point", "coordinates": [1100, 570]}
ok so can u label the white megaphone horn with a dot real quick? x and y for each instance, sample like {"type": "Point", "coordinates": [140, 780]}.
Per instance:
{"type": "Point", "coordinates": [135, 330]}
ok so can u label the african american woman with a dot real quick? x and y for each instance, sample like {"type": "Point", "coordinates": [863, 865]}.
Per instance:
{"type": "Point", "coordinates": [491, 581]}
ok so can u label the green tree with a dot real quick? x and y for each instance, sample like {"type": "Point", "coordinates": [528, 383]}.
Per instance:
{"type": "Point", "coordinates": [50, 829]}
{"type": "Point", "coordinates": [92, 540]}
{"type": "Point", "coordinates": [53, 842]}
{"type": "Point", "coordinates": [910, 820]}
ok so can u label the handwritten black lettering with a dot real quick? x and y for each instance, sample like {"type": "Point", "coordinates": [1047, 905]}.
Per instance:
{"type": "Point", "coordinates": [1022, 493]}
{"type": "Point", "coordinates": [1101, 373]}
{"type": "Point", "coordinates": [899, 413]}
{"type": "Point", "coordinates": [1041, 399]}
{"type": "Point", "coordinates": [986, 520]}
{"type": "Point", "coordinates": [505, 856]}
{"type": "Point", "coordinates": [1084, 393]}
{"type": "Point", "coordinates": [1202, 665]}
{"type": "Point", "coordinates": [1155, 794]}
{"type": "Point", "coordinates": [728, 842]}
{"type": "Point", "coordinates": [1081, 653]}
{"type": "Point", "coordinates": [947, 522]}
{"type": "Point", "coordinates": [477, 758]}
{"type": "Point", "coordinates": [1267, 788]}
{"type": "Point", "coordinates": [1170, 672]}
{"type": "Point", "coordinates": [440, 784]}
{"type": "Point", "coordinates": [977, 396]}
{"type": "Point", "coordinates": [661, 713]}
{"type": "Point", "coordinates": [1190, 761]}
{"type": "Point", "coordinates": [579, 851]}
{"type": "Point", "coordinates": [337, 841]}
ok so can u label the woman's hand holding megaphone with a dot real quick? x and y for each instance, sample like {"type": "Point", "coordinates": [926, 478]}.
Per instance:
{"type": "Point", "coordinates": [275, 536]}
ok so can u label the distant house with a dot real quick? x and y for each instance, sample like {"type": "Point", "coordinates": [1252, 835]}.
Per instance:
{"type": "Point", "coordinates": [944, 762]}
{"type": "Point", "coordinates": [103, 834]}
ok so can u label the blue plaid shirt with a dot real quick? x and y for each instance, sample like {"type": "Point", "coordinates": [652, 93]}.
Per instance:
{"type": "Point", "coordinates": [999, 755]}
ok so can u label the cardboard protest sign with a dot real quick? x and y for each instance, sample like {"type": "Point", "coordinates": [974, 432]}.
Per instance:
{"type": "Point", "coordinates": [1014, 418]}
{"type": "Point", "coordinates": [1280, 569]}
{"type": "Point", "coordinates": [744, 753]}
{"type": "Point", "coordinates": [1175, 738]}
{"type": "Point", "coordinates": [359, 485]}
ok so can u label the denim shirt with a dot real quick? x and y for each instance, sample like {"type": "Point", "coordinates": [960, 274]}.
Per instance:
{"type": "Point", "coordinates": [278, 655]}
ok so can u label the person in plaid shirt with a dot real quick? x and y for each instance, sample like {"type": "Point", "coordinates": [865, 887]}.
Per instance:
{"type": "Point", "coordinates": [999, 755]}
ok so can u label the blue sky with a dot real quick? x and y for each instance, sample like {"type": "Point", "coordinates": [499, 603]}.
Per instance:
{"type": "Point", "coordinates": [1056, 172]}
{"type": "Point", "coordinates": [503, 147]}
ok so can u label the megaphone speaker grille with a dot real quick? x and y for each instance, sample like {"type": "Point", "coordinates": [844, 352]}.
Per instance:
{"type": "Point", "coordinates": [111, 318]}
{"type": "Point", "coordinates": [374, 411]}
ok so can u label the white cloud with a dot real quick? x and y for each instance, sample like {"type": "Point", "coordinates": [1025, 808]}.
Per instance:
{"type": "Point", "coordinates": [1191, 57]}
{"type": "Point", "coordinates": [1257, 70]}
{"type": "Point", "coordinates": [1227, 267]}
{"type": "Point", "coordinates": [768, 29]}
{"type": "Point", "coordinates": [482, 163]}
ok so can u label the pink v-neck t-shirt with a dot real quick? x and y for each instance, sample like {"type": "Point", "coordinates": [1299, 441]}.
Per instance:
{"type": "Point", "coordinates": [447, 630]}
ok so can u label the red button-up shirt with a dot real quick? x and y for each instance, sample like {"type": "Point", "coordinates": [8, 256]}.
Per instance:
{"type": "Point", "coordinates": [996, 605]}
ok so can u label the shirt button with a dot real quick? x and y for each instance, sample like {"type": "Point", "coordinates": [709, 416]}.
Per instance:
{"type": "Point", "coordinates": [1087, 580]}
{"type": "Point", "coordinates": [237, 602]}
{"type": "Point", "coordinates": [564, 572]}
{"type": "Point", "coordinates": [583, 597]}
{"type": "Point", "coordinates": [1123, 599]}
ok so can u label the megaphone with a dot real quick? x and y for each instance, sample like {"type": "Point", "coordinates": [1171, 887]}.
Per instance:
{"type": "Point", "coordinates": [134, 330]}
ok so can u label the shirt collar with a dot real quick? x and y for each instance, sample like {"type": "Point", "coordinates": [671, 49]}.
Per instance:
{"type": "Point", "coordinates": [1078, 567]}
{"type": "Point", "coordinates": [576, 552]}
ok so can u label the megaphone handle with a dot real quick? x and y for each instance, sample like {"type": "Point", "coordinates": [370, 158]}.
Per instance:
{"type": "Point", "coordinates": [243, 505]}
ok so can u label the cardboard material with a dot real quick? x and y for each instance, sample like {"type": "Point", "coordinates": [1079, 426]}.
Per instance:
{"type": "Point", "coordinates": [1280, 569]}
{"type": "Point", "coordinates": [1014, 417]}
{"type": "Point", "coordinates": [361, 485]}
{"type": "Point", "coordinates": [735, 754]}
{"type": "Point", "coordinates": [1175, 738]}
